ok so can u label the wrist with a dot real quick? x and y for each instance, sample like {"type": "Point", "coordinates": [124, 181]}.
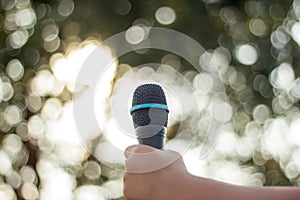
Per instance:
{"type": "Point", "coordinates": [195, 188]}
{"type": "Point", "coordinates": [190, 188]}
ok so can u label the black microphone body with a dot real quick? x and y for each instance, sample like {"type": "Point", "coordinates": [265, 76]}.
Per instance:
{"type": "Point", "coordinates": [156, 141]}
{"type": "Point", "coordinates": [150, 115]}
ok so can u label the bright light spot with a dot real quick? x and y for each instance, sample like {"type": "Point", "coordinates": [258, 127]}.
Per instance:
{"type": "Point", "coordinates": [296, 88]}
{"type": "Point", "coordinates": [294, 136]}
{"type": "Point", "coordinates": [274, 140]}
{"type": "Point", "coordinates": [5, 166]}
{"type": "Point", "coordinates": [33, 102]}
{"type": "Point", "coordinates": [291, 170]}
{"type": "Point", "coordinates": [59, 66]}
{"type": "Point", "coordinates": [50, 30]}
{"type": "Point", "coordinates": [70, 154]}
{"type": "Point", "coordinates": [57, 88]}
{"type": "Point", "coordinates": [91, 170]}
{"type": "Point", "coordinates": [296, 6]}
{"type": "Point", "coordinates": [52, 45]}
{"type": "Point", "coordinates": [36, 127]}
{"type": "Point", "coordinates": [276, 12]}
{"type": "Point", "coordinates": [211, 1]}
{"type": "Point", "coordinates": [22, 4]}
{"type": "Point", "coordinates": [13, 179]}
{"type": "Point", "coordinates": [229, 15]}
{"type": "Point", "coordinates": [231, 172]}
{"type": "Point", "coordinates": [104, 151]}
{"type": "Point", "coordinates": [261, 113]}
{"type": "Point", "coordinates": [221, 58]}
{"type": "Point", "coordinates": [295, 157]}
{"type": "Point", "coordinates": [122, 7]}
{"type": "Point", "coordinates": [117, 136]}
{"type": "Point", "coordinates": [26, 18]}
{"type": "Point", "coordinates": [18, 38]}
{"type": "Point", "coordinates": [13, 114]}
{"type": "Point", "coordinates": [165, 15]}
{"type": "Point", "coordinates": [194, 165]}
{"type": "Point", "coordinates": [245, 148]}
{"type": "Point", "coordinates": [66, 68]}
{"type": "Point", "coordinates": [28, 174]}
{"type": "Point", "coordinates": [222, 111]}
{"type": "Point", "coordinates": [42, 83]}
{"type": "Point", "coordinates": [7, 5]}
{"type": "Point", "coordinates": [246, 54]}
{"type": "Point", "coordinates": [295, 32]}
{"type": "Point", "coordinates": [282, 36]}
{"type": "Point", "coordinates": [202, 100]}
{"type": "Point", "coordinates": [52, 109]}
{"type": "Point", "coordinates": [104, 87]}
{"type": "Point", "coordinates": [1, 90]}
{"type": "Point", "coordinates": [29, 191]}
{"type": "Point", "coordinates": [258, 27]}
{"type": "Point", "coordinates": [7, 91]}
{"type": "Point", "coordinates": [171, 60]}
{"type": "Point", "coordinates": [41, 10]}
{"type": "Point", "coordinates": [207, 63]}
{"type": "Point", "coordinates": [90, 192]}
{"type": "Point", "coordinates": [21, 130]}
{"type": "Point", "coordinates": [175, 97]}
{"type": "Point", "coordinates": [204, 82]}
{"type": "Point", "coordinates": [135, 34]}
{"type": "Point", "coordinates": [178, 145]}
{"type": "Point", "coordinates": [15, 69]}
{"type": "Point", "coordinates": [114, 188]}
{"type": "Point", "coordinates": [216, 61]}
{"type": "Point", "coordinates": [55, 182]}
{"type": "Point", "coordinates": [227, 143]}
{"type": "Point", "coordinates": [6, 192]}
{"type": "Point", "coordinates": [10, 24]}
{"type": "Point", "coordinates": [66, 7]}
{"type": "Point", "coordinates": [237, 81]}
{"type": "Point", "coordinates": [283, 76]}
{"type": "Point", "coordinates": [12, 144]}
{"type": "Point", "coordinates": [65, 140]}
{"type": "Point", "coordinates": [279, 38]}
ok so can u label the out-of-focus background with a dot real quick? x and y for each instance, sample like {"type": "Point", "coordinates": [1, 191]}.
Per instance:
{"type": "Point", "coordinates": [254, 44]}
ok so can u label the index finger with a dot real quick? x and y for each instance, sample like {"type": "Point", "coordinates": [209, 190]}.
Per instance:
{"type": "Point", "coordinates": [139, 148]}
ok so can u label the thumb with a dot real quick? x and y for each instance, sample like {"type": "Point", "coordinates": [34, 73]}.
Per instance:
{"type": "Point", "coordinates": [139, 148]}
{"type": "Point", "coordinates": [144, 159]}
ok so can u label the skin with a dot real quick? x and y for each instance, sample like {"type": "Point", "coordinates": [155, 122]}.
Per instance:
{"type": "Point", "coordinates": [174, 182]}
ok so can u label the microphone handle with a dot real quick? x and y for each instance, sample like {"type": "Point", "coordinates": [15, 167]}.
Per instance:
{"type": "Point", "coordinates": [156, 141]}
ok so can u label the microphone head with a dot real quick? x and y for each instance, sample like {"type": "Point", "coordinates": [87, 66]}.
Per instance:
{"type": "Point", "coordinates": [148, 93]}
{"type": "Point", "coordinates": [149, 106]}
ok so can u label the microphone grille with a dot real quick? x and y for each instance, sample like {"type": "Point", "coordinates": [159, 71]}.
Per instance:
{"type": "Point", "coordinates": [149, 93]}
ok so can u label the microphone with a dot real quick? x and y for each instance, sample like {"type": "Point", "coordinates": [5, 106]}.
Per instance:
{"type": "Point", "coordinates": [150, 115]}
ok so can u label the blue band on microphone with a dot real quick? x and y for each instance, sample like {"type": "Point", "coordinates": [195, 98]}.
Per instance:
{"type": "Point", "coordinates": [149, 105]}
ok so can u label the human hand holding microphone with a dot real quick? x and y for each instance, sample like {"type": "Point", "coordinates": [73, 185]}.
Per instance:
{"type": "Point", "coordinates": [151, 172]}
{"type": "Point", "coordinates": [156, 174]}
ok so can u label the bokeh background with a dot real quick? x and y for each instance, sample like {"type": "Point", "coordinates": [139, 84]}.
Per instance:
{"type": "Point", "coordinates": [254, 46]}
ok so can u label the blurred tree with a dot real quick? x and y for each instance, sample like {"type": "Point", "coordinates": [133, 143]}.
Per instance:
{"type": "Point", "coordinates": [257, 36]}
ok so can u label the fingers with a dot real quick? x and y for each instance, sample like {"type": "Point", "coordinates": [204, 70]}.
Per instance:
{"type": "Point", "coordinates": [145, 159]}
{"type": "Point", "coordinates": [139, 148]}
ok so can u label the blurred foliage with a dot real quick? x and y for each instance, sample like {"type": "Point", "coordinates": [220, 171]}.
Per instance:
{"type": "Point", "coordinates": [49, 27]}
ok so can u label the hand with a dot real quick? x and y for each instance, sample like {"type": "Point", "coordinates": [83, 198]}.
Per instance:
{"type": "Point", "coordinates": [153, 174]}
